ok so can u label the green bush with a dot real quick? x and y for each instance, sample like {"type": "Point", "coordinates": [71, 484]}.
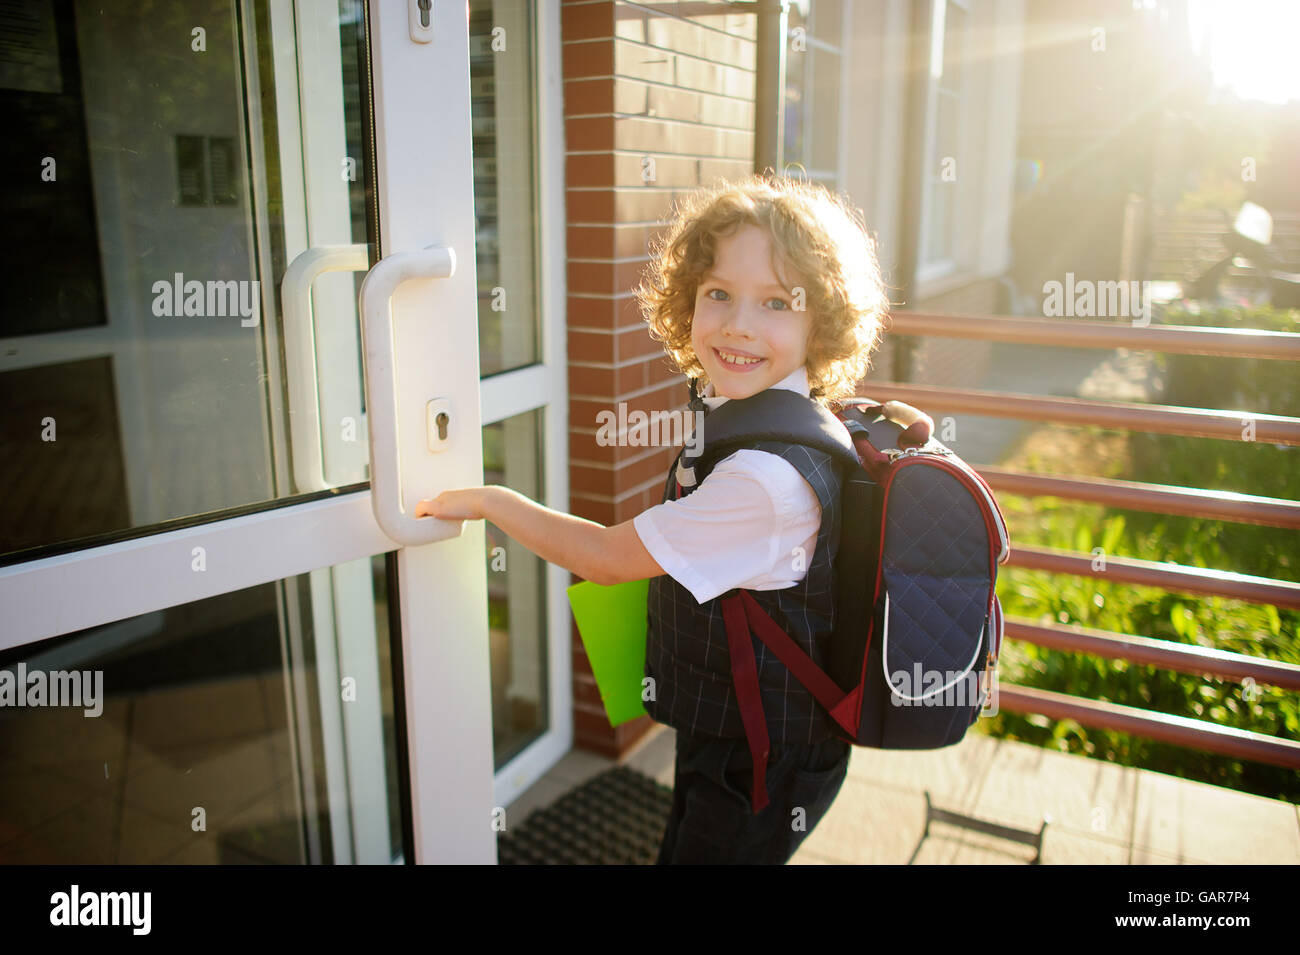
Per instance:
{"type": "Point", "coordinates": [1249, 385]}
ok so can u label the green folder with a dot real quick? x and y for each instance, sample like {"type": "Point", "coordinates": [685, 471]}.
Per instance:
{"type": "Point", "coordinates": [612, 622]}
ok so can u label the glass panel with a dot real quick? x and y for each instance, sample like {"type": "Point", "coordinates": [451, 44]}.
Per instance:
{"type": "Point", "coordinates": [512, 456]}
{"type": "Point", "coordinates": [812, 90]}
{"type": "Point", "coordinates": [143, 363]}
{"type": "Point", "coordinates": [954, 37]}
{"type": "Point", "coordinates": [946, 68]}
{"type": "Point", "coordinates": [826, 130]}
{"type": "Point", "coordinates": [797, 106]}
{"type": "Point", "coordinates": [947, 117]}
{"type": "Point", "coordinates": [828, 21]}
{"type": "Point", "coordinates": [943, 191]}
{"type": "Point", "coordinates": [501, 106]}
{"type": "Point", "coordinates": [212, 732]}
{"type": "Point", "coordinates": [940, 226]}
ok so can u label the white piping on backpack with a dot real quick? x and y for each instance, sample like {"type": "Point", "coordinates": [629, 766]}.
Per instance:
{"type": "Point", "coordinates": [884, 660]}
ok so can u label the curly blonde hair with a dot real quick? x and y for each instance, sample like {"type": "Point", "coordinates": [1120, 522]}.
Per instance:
{"type": "Point", "coordinates": [814, 232]}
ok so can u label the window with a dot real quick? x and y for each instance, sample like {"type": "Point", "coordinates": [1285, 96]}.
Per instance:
{"type": "Point", "coordinates": [946, 107]}
{"type": "Point", "coordinates": [517, 598]}
{"type": "Point", "coordinates": [813, 79]}
{"type": "Point", "coordinates": [503, 110]}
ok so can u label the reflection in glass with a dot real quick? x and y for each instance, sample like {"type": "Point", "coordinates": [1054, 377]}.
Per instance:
{"type": "Point", "coordinates": [142, 364]}
{"type": "Point", "coordinates": [512, 456]}
{"type": "Point", "coordinates": [502, 109]}
{"type": "Point", "coordinates": [225, 735]}
{"type": "Point", "coordinates": [812, 91]}
{"type": "Point", "coordinates": [941, 185]}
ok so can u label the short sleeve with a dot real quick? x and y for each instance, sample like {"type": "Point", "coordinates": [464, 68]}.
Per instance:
{"type": "Point", "coordinates": [735, 529]}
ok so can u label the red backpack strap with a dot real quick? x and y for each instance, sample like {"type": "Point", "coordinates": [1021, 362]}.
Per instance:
{"type": "Point", "coordinates": [742, 614]}
{"type": "Point", "coordinates": [744, 674]}
{"type": "Point", "coordinates": [812, 676]}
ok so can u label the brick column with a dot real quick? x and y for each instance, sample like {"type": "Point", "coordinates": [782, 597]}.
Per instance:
{"type": "Point", "coordinates": [655, 103]}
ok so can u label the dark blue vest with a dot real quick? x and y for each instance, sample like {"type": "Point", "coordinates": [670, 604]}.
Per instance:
{"type": "Point", "coordinates": [686, 642]}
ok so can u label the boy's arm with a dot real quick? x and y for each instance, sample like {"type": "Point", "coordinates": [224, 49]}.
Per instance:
{"type": "Point", "coordinates": [602, 555]}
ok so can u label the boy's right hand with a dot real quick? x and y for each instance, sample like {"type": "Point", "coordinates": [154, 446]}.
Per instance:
{"type": "Point", "coordinates": [465, 504]}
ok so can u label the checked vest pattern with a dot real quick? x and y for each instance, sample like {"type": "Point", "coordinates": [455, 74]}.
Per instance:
{"type": "Point", "coordinates": [686, 644]}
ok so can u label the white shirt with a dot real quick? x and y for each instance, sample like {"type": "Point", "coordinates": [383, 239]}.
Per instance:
{"type": "Point", "coordinates": [752, 523]}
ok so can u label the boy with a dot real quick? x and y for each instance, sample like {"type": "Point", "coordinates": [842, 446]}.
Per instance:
{"type": "Point", "coordinates": [765, 283]}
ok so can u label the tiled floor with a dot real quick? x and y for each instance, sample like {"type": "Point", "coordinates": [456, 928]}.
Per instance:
{"type": "Point", "coordinates": [124, 788]}
{"type": "Point", "coordinates": [1096, 812]}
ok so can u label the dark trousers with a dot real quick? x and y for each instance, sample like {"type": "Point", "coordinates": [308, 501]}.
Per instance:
{"type": "Point", "coordinates": [712, 819]}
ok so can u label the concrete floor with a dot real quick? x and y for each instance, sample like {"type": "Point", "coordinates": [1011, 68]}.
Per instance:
{"type": "Point", "coordinates": [1096, 812]}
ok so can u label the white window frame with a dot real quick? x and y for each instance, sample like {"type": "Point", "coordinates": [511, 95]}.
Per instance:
{"type": "Point", "coordinates": [932, 272]}
{"type": "Point", "coordinates": [830, 177]}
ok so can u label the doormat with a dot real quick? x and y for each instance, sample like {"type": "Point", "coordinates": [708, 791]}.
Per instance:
{"type": "Point", "coordinates": [615, 818]}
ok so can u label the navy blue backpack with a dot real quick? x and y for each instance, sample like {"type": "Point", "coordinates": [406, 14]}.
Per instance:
{"type": "Point", "coordinates": [918, 627]}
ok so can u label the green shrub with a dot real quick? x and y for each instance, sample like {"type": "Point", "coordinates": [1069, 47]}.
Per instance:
{"type": "Point", "coordinates": [1249, 385]}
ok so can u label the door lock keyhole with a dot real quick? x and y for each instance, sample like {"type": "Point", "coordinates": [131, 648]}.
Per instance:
{"type": "Point", "coordinates": [425, 7]}
{"type": "Point", "coordinates": [437, 424]}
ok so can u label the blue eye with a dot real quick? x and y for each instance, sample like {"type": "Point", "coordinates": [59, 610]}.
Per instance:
{"type": "Point", "coordinates": [779, 305]}
{"type": "Point", "coordinates": [711, 294]}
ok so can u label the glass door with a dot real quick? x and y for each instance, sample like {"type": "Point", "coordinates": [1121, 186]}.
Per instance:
{"type": "Point", "coordinates": [220, 643]}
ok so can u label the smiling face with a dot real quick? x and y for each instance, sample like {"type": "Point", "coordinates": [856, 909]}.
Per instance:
{"type": "Point", "coordinates": [745, 330]}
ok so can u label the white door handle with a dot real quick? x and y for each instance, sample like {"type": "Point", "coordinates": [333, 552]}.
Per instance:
{"type": "Point", "coordinates": [436, 262]}
{"type": "Point", "coordinates": [300, 354]}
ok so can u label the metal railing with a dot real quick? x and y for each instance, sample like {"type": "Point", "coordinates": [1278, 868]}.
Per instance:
{"type": "Point", "coordinates": [1190, 502]}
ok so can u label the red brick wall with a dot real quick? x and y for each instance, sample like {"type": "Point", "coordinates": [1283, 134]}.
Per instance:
{"type": "Point", "coordinates": [672, 83]}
